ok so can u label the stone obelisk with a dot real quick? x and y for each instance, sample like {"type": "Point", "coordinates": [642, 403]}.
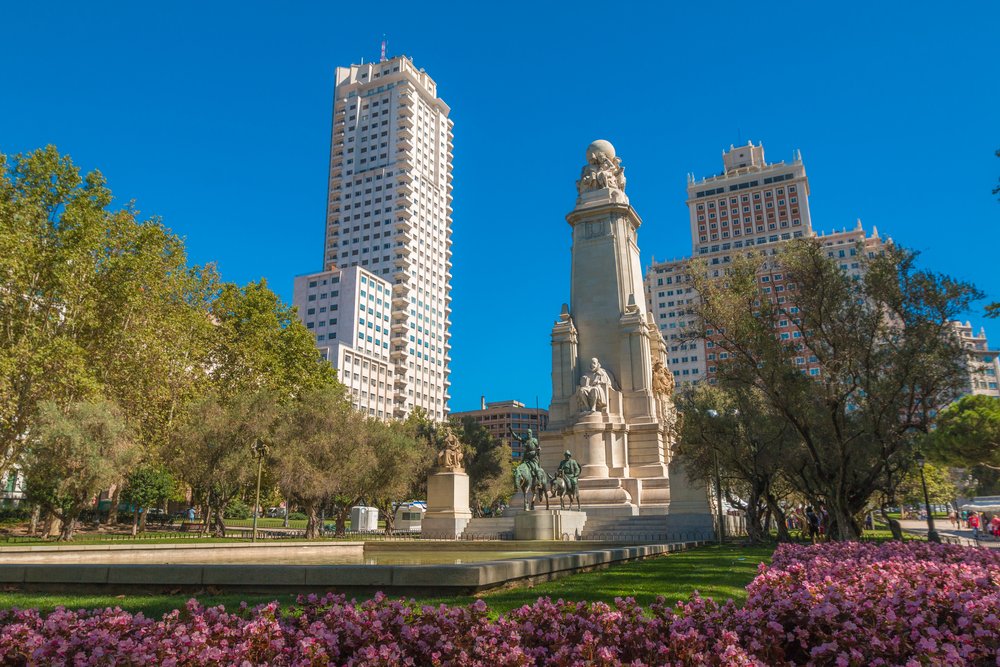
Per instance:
{"type": "Point", "coordinates": [611, 404]}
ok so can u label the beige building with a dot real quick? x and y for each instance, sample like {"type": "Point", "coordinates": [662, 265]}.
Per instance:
{"type": "Point", "coordinates": [983, 366]}
{"type": "Point", "coordinates": [752, 205]}
{"type": "Point", "coordinates": [501, 416]}
{"type": "Point", "coordinates": [389, 213]}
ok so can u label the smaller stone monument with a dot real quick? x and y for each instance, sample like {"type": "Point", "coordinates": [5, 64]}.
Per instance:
{"type": "Point", "coordinates": [447, 493]}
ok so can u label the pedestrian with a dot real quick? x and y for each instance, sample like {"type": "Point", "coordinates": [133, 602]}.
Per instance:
{"type": "Point", "coordinates": [812, 523]}
{"type": "Point", "coordinates": [995, 526]}
{"type": "Point", "coordinates": [191, 513]}
{"type": "Point", "coordinates": [953, 518]}
{"type": "Point", "coordinates": [974, 524]}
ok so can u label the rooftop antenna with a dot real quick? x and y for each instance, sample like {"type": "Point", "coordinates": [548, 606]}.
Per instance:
{"type": "Point", "coordinates": [383, 49]}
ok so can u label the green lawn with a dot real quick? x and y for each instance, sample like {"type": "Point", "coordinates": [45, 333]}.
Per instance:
{"type": "Point", "coordinates": [717, 572]}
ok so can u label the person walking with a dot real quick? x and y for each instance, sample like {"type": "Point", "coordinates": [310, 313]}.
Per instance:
{"type": "Point", "coordinates": [974, 524]}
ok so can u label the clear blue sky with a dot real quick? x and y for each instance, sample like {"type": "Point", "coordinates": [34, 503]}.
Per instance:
{"type": "Point", "coordinates": [216, 116]}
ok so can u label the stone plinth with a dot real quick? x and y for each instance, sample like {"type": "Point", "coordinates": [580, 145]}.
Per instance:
{"type": "Point", "coordinates": [549, 525]}
{"type": "Point", "coordinates": [447, 505]}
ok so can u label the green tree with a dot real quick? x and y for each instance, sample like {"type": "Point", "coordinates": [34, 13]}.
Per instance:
{"type": "Point", "coordinates": [968, 433]}
{"type": "Point", "coordinates": [73, 453]}
{"type": "Point", "coordinates": [732, 432]}
{"type": "Point", "coordinates": [93, 302]}
{"type": "Point", "coordinates": [213, 447]}
{"type": "Point", "coordinates": [321, 456]}
{"type": "Point", "coordinates": [940, 488]}
{"type": "Point", "coordinates": [259, 343]}
{"type": "Point", "coordinates": [145, 487]}
{"type": "Point", "coordinates": [882, 350]}
{"type": "Point", "coordinates": [489, 464]}
{"type": "Point", "coordinates": [399, 459]}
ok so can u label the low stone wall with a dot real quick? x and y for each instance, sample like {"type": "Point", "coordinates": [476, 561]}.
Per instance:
{"type": "Point", "coordinates": [350, 579]}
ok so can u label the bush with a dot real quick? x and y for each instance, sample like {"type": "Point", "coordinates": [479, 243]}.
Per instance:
{"type": "Point", "coordinates": [843, 604]}
{"type": "Point", "coordinates": [297, 516]}
{"type": "Point", "coordinates": [237, 509]}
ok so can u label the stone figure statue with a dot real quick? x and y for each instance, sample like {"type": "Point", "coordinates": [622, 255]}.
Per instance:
{"type": "Point", "coordinates": [594, 389]}
{"type": "Point", "coordinates": [663, 388]}
{"type": "Point", "coordinates": [603, 169]}
{"type": "Point", "coordinates": [452, 456]}
{"type": "Point", "coordinates": [530, 451]}
{"type": "Point", "coordinates": [570, 470]}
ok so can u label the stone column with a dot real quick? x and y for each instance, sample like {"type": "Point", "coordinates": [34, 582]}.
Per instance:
{"type": "Point", "coordinates": [447, 505]}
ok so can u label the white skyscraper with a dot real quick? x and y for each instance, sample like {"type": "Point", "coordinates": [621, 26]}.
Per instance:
{"type": "Point", "coordinates": [389, 213]}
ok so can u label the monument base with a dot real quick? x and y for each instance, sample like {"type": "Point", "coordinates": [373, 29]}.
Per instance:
{"type": "Point", "coordinates": [447, 505]}
{"type": "Point", "coordinates": [549, 525]}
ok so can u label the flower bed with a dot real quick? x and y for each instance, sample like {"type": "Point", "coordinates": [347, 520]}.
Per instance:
{"type": "Point", "coordinates": [844, 604]}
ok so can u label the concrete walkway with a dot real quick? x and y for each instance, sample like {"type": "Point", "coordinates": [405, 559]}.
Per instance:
{"type": "Point", "coordinates": [946, 529]}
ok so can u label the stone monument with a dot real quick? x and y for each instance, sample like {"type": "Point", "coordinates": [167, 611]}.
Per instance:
{"type": "Point", "coordinates": [448, 509]}
{"type": "Point", "coordinates": [612, 402]}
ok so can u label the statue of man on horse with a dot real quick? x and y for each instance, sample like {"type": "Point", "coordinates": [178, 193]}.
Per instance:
{"type": "Point", "coordinates": [529, 477]}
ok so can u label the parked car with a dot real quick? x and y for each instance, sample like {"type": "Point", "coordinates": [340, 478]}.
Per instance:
{"type": "Point", "coordinates": [275, 512]}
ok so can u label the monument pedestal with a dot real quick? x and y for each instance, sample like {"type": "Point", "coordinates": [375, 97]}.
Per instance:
{"type": "Point", "coordinates": [447, 505]}
{"type": "Point", "coordinates": [549, 525]}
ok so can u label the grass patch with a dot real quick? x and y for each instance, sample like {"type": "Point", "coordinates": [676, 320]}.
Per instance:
{"type": "Point", "coordinates": [714, 571]}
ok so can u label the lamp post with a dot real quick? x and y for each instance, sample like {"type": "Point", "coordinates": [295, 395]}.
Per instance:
{"type": "Point", "coordinates": [932, 534]}
{"type": "Point", "coordinates": [718, 487]}
{"type": "Point", "coordinates": [259, 449]}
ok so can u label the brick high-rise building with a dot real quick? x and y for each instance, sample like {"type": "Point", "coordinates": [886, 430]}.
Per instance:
{"type": "Point", "coordinates": [389, 213]}
{"type": "Point", "coordinates": [499, 416]}
{"type": "Point", "coordinates": [752, 205]}
{"type": "Point", "coordinates": [983, 365]}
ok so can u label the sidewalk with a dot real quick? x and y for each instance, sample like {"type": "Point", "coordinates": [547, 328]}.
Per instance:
{"type": "Point", "coordinates": [945, 529]}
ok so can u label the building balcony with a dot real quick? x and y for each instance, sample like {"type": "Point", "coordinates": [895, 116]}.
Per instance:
{"type": "Point", "coordinates": [400, 301]}
{"type": "Point", "coordinates": [405, 146]}
{"type": "Point", "coordinates": [402, 262]}
{"type": "Point", "coordinates": [404, 177]}
{"type": "Point", "coordinates": [404, 189]}
{"type": "Point", "coordinates": [402, 275]}
{"type": "Point", "coordinates": [405, 111]}
{"type": "Point", "coordinates": [404, 249]}
{"type": "Point", "coordinates": [399, 354]}
{"type": "Point", "coordinates": [399, 326]}
{"type": "Point", "coordinates": [401, 288]}
{"type": "Point", "coordinates": [403, 214]}
{"type": "Point", "coordinates": [405, 123]}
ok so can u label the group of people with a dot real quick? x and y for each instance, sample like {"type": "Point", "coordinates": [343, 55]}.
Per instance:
{"type": "Point", "coordinates": [980, 523]}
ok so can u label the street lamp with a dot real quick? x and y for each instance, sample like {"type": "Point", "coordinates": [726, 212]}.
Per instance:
{"type": "Point", "coordinates": [260, 450]}
{"type": "Point", "coordinates": [718, 486]}
{"type": "Point", "coordinates": [932, 534]}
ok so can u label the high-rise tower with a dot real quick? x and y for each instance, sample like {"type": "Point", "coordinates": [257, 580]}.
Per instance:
{"type": "Point", "coordinates": [389, 214]}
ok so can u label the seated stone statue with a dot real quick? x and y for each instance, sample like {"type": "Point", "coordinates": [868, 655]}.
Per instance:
{"type": "Point", "coordinates": [451, 457]}
{"type": "Point", "coordinates": [594, 389]}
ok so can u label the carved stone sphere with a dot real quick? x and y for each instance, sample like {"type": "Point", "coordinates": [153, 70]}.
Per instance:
{"type": "Point", "coordinates": [600, 146]}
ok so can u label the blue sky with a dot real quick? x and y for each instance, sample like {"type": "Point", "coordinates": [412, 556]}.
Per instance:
{"type": "Point", "coordinates": [216, 116]}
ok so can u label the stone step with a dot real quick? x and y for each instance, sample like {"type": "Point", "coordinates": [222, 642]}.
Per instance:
{"type": "Point", "coordinates": [491, 528]}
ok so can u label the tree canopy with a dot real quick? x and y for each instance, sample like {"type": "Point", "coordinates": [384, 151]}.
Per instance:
{"type": "Point", "coordinates": [858, 370]}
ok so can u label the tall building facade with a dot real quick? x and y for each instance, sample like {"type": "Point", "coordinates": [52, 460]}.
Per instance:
{"type": "Point", "coordinates": [500, 417]}
{"type": "Point", "coordinates": [983, 364]}
{"type": "Point", "coordinates": [752, 205]}
{"type": "Point", "coordinates": [389, 219]}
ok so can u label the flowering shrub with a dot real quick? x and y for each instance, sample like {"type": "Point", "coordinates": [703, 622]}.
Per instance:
{"type": "Point", "coordinates": [831, 604]}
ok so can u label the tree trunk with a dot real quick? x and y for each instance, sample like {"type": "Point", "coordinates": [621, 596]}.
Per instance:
{"type": "Point", "coordinates": [66, 532]}
{"type": "Point", "coordinates": [142, 519]}
{"type": "Point", "coordinates": [341, 514]}
{"type": "Point", "coordinates": [36, 513]}
{"type": "Point", "coordinates": [779, 518]}
{"type": "Point", "coordinates": [288, 509]}
{"type": "Point", "coordinates": [385, 510]}
{"type": "Point", "coordinates": [219, 522]}
{"type": "Point", "coordinates": [843, 521]}
{"type": "Point", "coordinates": [894, 527]}
{"type": "Point", "coordinates": [756, 533]}
{"type": "Point", "coordinates": [116, 497]}
{"type": "Point", "coordinates": [135, 521]}
{"type": "Point", "coordinates": [312, 522]}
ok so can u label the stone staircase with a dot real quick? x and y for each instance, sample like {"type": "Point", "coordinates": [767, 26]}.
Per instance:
{"type": "Point", "coordinates": [637, 529]}
{"type": "Point", "coordinates": [627, 530]}
{"type": "Point", "coordinates": [499, 528]}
